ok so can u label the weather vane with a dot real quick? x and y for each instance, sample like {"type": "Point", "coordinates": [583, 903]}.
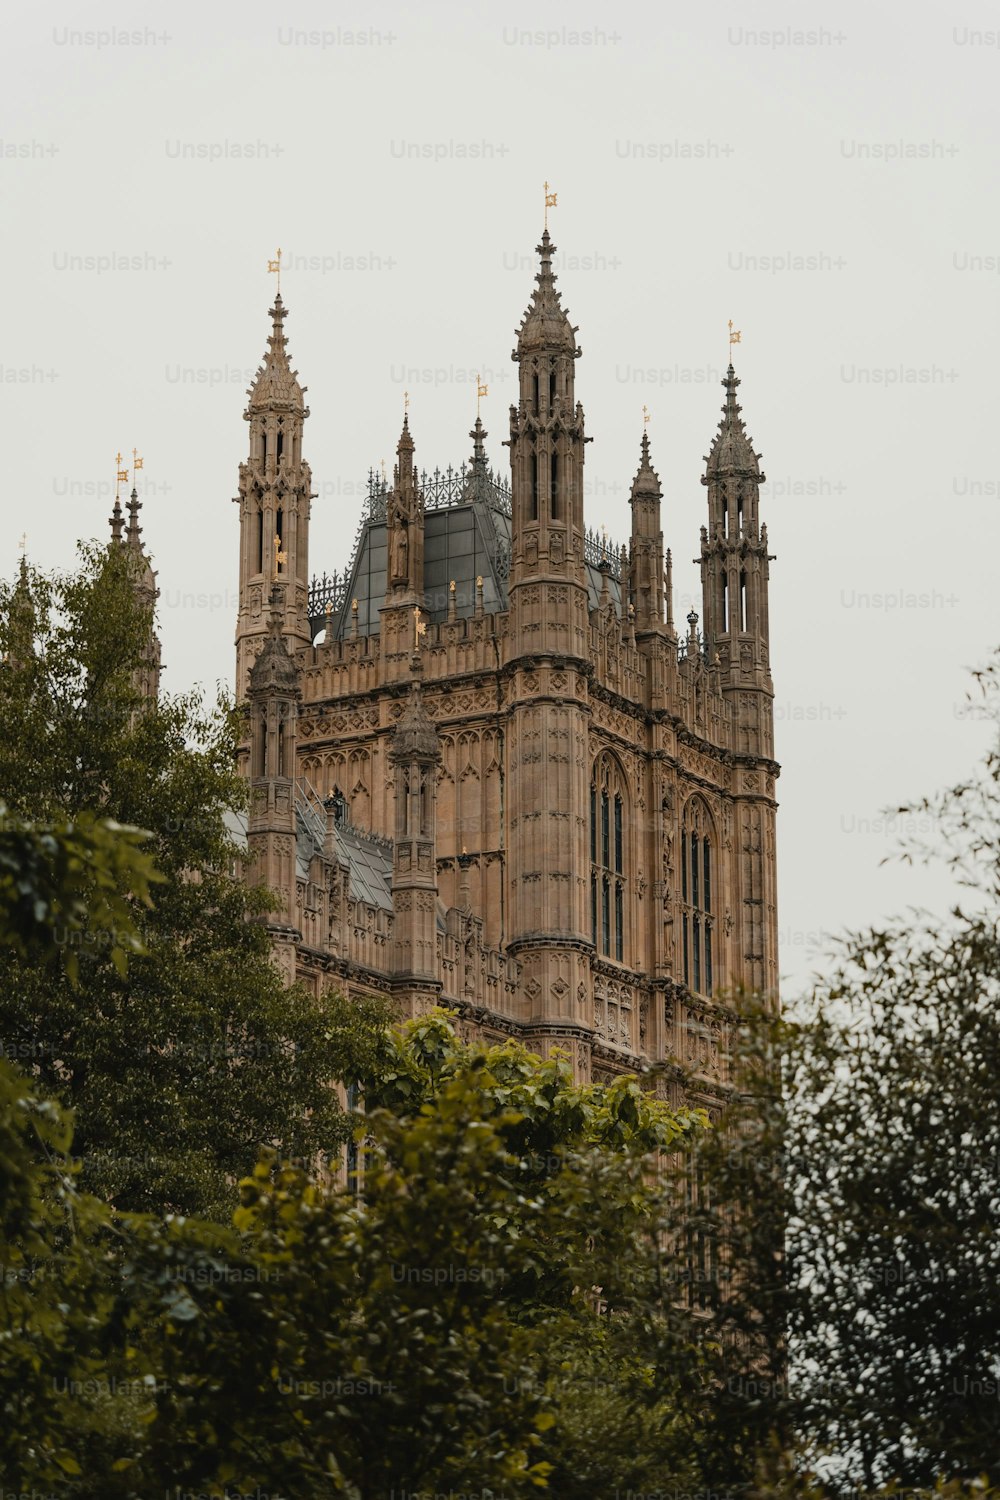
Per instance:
{"type": "Point", "coordinates": [550, 202]}
{"type": "Point", "coordinates": [735, 336]}
{"type": "Point", "coordinates": [481, 391]}
{"type": "Point", "coordinates": [279, 556]}
{"type": "Point", "coordinates": [121, 475]}
{"type": "Point", "coordinates": [23, 544]}
{"type": "Point", "coordinates": [645, 415]}
{"type": "Point", "coordinates": [419, 628]}
{"type": "Point", "coordinates": [137, 464]}
{"type": "Point", "coordinates": [406, 401]}
{"type": "Point", "coordinates": [275, 266]}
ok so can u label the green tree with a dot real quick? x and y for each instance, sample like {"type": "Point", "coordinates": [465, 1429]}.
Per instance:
{"type": "Point", "coordinates": [431, 1331]}
{"type": "Point", "coordinates": [895, 1155]}
{"type": "Point", "coordinates": [63, 1412]}
{"type": "Point", "coordinates": [180, 1068]}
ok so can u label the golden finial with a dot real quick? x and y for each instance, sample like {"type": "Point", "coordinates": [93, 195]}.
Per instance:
{"type": "Point", "coordinates": [354, 606]}
{"type": "Point", "coordinates": [452, 586]}
{"type": "Point", "coordinates": [419, 628]}
{"type": "Point", "coordinates": [735, 335]}
{"type": "Point", "coordinates": [481, 391]}
{"type": "Point", "coordinates": [275, 267]}
{"type": "Point", "coordinates": [604, 541]}
{"type": "Point", "coordinates": [645, 415]}
{"type": "Point", "coordinates": [23, 543]}
{"type": "Point", "coordinates": [121, 475]}
{"type": "Point", "coordinates": [479, 580]}
{"type": "Point", "coordinates": [550, 202]}
{"type": "Point", "coordinates": [328, 610]}
{"type": "Point", "coordinates": [406, 402]}
{"type": "Point", "coordinates": [137, 464]}
{"type": "Point", "coordinates": [279, 556]}
{"type": "Point", "coordinates": [383, 473]}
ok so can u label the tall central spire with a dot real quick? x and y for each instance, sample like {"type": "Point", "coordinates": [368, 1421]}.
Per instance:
{"type": "Point", "coordinates": [548, 657]}
{"type": "Point", "coordinates": [546, 438]}
{"type": "Point", "coordinates": [546, 323]}
{"type": "Point", "coordinates": [735, 572]}
{"type": "Point", "coordinates": [276, 384]}
{"type": "Point", "coordinates": [274, 499]}
{"type": "Point", "coordinates": [732, 449]}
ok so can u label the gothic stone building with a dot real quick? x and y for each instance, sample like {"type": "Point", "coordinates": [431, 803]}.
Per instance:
{"type": "Point", "coordinates": [487, 770]}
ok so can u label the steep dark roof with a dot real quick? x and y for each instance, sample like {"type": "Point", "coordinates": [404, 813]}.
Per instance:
{"type": "Point", "coordinates": [369, 857]}
{"type": "Point", "coordinates": [466, 535]}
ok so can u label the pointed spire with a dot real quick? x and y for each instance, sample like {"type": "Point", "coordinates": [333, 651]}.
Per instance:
{"type": "Point", "coordinates": [416, 736]}
{"type": "Point", "coordinates": [332, 805]}
{"type": "Point", "coordinates": [405, 444]}
{"type": "Point", "coordinates": [402, 473]}
{"type": "Point", "coordinates": [646, 484]}
{"type": "Point", "coordinates": [732, 448]}
{"type": "Point", "coordinates": [546, 324]}
{"type": "Point", "coordinates": [477, 435]}
{"type": "Point", "coordinates": [140, 567]}
{"type": "Point", "coordinates": [276, 383]}
{"type": "Point", "coordinates": [22, 621]}
{"type": "Point", "coordinates": [274, 668]}
{"type": "Point", "coordinates": [115, 521]}
{"type": "Point", "coordinates": [134, 531]}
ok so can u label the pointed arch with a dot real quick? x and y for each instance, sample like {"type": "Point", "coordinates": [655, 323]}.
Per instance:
{"type": "Point", "coordinates": [699, 897]}
{"type": "Point", "coordinates": [609, 831]}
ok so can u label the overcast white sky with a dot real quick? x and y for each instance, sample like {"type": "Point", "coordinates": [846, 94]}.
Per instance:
{"type": "Point", "coordinates": [827, 177]}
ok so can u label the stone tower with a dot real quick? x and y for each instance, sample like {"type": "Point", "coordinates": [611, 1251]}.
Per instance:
{"type": "Point", "coordinates": [734, 580]}
{"type": "Point", "coordinates": [415, 756]}
{"type": "Point", "coordinates": [146, 678]}
{"type": "Point", "coordinates": [274, 694]}
{"type": "Point", "coordinates": [546, 807]}
{"type": "Point", "coordinates": [274, 500]}
{"type": "Point", "coordinates": [645, 557]}
{"type": "Point", "coordinates": [547, 650]}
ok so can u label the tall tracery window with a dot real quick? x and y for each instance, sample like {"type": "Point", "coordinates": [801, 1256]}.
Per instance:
{"type": "Point", "coordinates": [607, 858]}
{"type": "Point", "coordinates": [698, 899]}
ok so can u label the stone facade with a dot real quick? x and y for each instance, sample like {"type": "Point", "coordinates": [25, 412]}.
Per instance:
{"type": "Point", "coordinates": [488, 772]}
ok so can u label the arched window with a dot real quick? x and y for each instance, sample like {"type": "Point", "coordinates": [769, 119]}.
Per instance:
{"type": "Point", "coordinates": [698, 899]}
{"type": "Point", "coordinates": [607, 858]}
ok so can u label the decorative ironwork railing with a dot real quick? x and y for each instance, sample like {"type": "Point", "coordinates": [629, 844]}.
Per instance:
{"type": "Point", "coordinates": [328, 589]}
{"type": "Point", "coordinates": [442, 488]}
{"type": "Point", "coordinates": [602, 553]}
{"type": "Point", "coordinates": [445, 487]}
{"type": "Point", "coordinates": [699, 647]}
